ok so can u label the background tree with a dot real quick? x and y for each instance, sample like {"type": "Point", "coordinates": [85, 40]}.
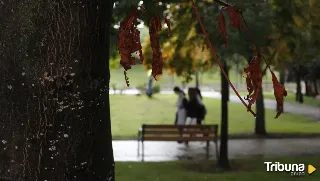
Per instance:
{"type": "Point", "coordinates": [294, 36]}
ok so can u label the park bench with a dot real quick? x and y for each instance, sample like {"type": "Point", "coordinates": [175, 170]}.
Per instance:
{"type": "Point", "coordinates": [183, 133]}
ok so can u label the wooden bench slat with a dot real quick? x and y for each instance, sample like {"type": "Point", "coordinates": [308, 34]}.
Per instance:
{"type": "Point", "coordinates": [154, 138]}
{"type": "Point", "coordinates": [179, 132]}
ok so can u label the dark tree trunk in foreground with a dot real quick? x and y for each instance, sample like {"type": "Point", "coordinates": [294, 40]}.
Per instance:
{"type": "Point", "coordinates": [223, 159]}
{"type": "Point", "coordinates": [260, 123]}
{"type": "Point", "coordinates": [55, 91]}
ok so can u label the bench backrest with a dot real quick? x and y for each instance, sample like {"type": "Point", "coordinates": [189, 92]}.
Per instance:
{"type": "Point", "coordinates": [179, 132]}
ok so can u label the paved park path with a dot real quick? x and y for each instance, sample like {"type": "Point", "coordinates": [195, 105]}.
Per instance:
{"type": "Point", "coordinates": [168, 151]}
{"type": "Point", "coordinates": [301, 109]}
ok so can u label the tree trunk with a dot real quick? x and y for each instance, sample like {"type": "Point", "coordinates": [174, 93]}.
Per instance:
{"type": "Point", "coordinates": [63, 131]}
{"type": "Point", "coordinates": [223, 159]}
{"type": "Point", "coordinates": [308, 91]}
{"type": "Point", "coordinates": [299, 96]}
{"type": "Point", "coordinates": [197, 78]}
{"type": "Point", "coordinates": [260, 123]}
{"type": "Point", "coordinates": [282, 76]}
{"type": "Point", "coordinates": [315, 87]}
{"type": "Point", "coordinates": [237, 74]}
{"type": "Point", "coordinates": [282, 81]}
{"type": "Point", "coordinates": [173, 82]}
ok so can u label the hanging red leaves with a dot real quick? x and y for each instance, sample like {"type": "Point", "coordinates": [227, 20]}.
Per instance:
{"type": "Point", "coordinates": [235, 17]}
{"type": "Point", "coordinates": [157, 61]}
{"type": "Point", "coordinates": [129, 41]}
{"type": "Point", "coordinates": [253, 80]}
{"type": "Point", "coordinates": [235, 21]}
{"type": "Point", "coordinates": [222, 27]}
{"type": "Point", "coordinates": [279, 93]}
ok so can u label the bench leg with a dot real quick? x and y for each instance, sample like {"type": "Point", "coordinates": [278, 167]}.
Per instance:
{"type": "Point", "coordinates": [207, 150]}
{"type": "Point", "coordinates": [142, 142]}
{"type": "Point", "coordinates": [217, 151]}
{"type": "Point", "coordinates": [138, 151]}
{"type": "Point", "coordinates": [138, 143]}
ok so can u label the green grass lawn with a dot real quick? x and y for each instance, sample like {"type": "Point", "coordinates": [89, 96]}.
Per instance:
{"type": "Point", "coordinates": [128, 113]}
{"type": "Point", "coordinates": [138, 76]}
{"type": "Point", "coordinates": [291, 97]}
{"type": "Point", "coordinates": [249, 169]}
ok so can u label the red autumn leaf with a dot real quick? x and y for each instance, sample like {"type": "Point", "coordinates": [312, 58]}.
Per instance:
{"type": "Point", "coordinates": [222, 27]}
{"type": "Point", "coordinates": [253, 80]}
{"type": "Point", "coordinates": [279, 93]}
{"type": "Point", "coordinates": [235, 18]}
{"type": "Point", "coordinates": [129, 40]}
{"type": "Point", "coordinates": [157, 61]}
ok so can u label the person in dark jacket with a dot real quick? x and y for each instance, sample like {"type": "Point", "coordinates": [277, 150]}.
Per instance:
{"type": "Point", "coordinates": [202, 109]}
{"type": "Point", "coordinates": [193, 107]}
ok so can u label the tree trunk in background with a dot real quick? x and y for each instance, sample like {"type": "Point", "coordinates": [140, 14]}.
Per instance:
{"type": "Point", "coordinates": [223, 159]}
{"type": "Point", "coordinates": [315, 87]}
{"type": "Point", "coordinates": [197, 78]}
{"type": "Point", "coordinates": [282, 78]}
{"type": "Point", "coordinates": [299, 95]}
{"type": "Point", "coordinates": [173, 82]}
{"type": "Point", "coordinates": [237, 74]}
{"type": "Point", "coordinates": [260, 122]}
{"type": "Point", "coordinates": [308, 91]}
{"type": "Point", "coordinates": [56, 107]}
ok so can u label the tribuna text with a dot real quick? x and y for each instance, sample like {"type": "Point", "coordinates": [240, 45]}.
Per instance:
{"type": "Point", "coordinates": [294, 169]}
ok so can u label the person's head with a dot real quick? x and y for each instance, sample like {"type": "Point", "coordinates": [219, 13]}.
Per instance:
{"type": "Point", "coordinates": [177, 90]}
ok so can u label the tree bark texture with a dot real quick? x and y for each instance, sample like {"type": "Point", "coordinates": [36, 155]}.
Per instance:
{"type": "Point", "coordinates": [54, 78]}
